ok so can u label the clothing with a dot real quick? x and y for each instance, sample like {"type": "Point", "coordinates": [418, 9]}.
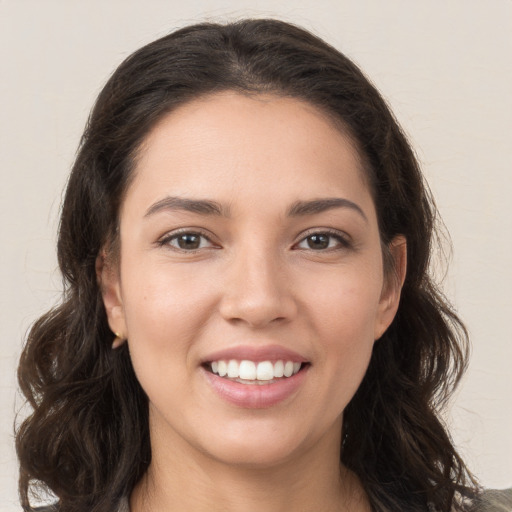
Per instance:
{"type": "Point", "coordinates": [491, 500]}
{"type": "Point", "coordinates": [124, 507]}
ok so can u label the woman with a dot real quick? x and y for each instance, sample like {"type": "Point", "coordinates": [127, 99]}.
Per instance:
{"type": "Point", "coordinates": [247, 218]}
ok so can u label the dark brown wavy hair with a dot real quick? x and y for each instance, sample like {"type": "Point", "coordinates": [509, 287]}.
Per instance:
{"type": "Point", "coordinates": [87, 439]}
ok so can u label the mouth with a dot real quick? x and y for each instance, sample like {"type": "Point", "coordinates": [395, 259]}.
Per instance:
{"type": "Point", "coordinates": [255, 376]}
{"type": "Point", "coordinates": [255, 372]}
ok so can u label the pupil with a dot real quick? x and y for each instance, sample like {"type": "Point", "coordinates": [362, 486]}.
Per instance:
{"type": "Point", "coordinates": [318, 241]}
{"type": "Point", "coordinates": [188, 241]}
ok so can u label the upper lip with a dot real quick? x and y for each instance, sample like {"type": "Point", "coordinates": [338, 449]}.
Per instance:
{"type": "Point", "coordinates": [256, 354]}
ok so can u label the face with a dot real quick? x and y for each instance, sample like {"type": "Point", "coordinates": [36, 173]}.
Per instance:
{"type": "Point", "coordinates": [250, 284]}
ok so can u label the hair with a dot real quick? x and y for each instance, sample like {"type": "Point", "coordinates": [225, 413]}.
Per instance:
{"type": "Point", "coordinates": [87, 438]}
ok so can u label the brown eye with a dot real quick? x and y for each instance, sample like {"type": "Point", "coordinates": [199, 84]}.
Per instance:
{"type": "Point", "coordinates": [323, 241]}
{"type": "Point", "coordinates": [318, 241]}
{"type": "Point", "coordinates": [186, 241]}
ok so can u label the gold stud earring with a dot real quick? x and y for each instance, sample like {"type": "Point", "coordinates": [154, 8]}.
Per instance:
{"type": "Point", "coordinates": [118, 341]}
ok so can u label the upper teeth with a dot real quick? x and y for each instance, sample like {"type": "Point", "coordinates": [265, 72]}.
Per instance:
{"type": "Point", "coordinates": [249, 370]}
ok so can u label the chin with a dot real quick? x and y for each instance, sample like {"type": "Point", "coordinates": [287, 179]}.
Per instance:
{"type": "Point", "coordinates": [257, 444]}
{"type": "Point", "coordinates": [253, 456]}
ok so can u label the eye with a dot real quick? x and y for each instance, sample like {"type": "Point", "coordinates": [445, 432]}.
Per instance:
{"type": "Point", "coordinates": [186, 241]}
{"type": "Point", "coordinates": [321, 241]}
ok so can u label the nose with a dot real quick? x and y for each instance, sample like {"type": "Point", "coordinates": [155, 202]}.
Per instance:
{"type": "Point", "coordinates": [257, 291]}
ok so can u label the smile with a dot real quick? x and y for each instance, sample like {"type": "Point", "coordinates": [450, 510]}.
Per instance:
{"type": "Point", "coordinates": [252, 372]}
{"type": "Point", "coordinates": [255, 376]}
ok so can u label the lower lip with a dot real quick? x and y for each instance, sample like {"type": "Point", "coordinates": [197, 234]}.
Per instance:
{"type": "Point", "coordinates": [256, 396]}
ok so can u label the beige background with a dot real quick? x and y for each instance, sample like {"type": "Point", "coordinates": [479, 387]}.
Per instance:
{"type": "Point", "coordinates": [444, 66]}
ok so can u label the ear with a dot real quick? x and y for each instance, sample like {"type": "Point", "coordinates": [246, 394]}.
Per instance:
{"type": "Point", "coordinates": [393, 282]}
{"type": "Point", "coordinates": [107, 274]}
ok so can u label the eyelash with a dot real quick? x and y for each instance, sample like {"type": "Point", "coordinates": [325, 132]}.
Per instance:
{"type": "Point", "coordinates": [343, 242]}
{"type": "Point", "coordinates": [166, 240]}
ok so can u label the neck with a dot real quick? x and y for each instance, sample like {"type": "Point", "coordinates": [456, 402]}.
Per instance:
{"type": "Point", "coordinates": [193, 481]}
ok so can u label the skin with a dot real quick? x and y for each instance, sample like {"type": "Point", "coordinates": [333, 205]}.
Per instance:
{"type": "Point", "coordinates": [254, 280]}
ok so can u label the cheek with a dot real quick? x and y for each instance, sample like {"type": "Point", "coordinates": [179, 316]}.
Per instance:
{"type": "Point", "coordinates": [346, 303]}
{"type": "Point", "coordinates": [348, 334]}
{"type": "Point", "coordinates": [164, 311]}
{"type": "Point", "coordinates": [344, 312]}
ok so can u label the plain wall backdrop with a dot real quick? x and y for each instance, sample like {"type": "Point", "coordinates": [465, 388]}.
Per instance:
{"type": "Point", "coordinates": [443, 65]}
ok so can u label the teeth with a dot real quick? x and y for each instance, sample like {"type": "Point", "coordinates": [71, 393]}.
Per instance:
{"type": "Point", "coordinates": [222, 368]}
{"type": "Point", "coordinates": [252, 371]}
{"type": "Point", "coordinates": [265, 371]}
{"type": "Point", "coordinates": [233, 369]}
{"type": "Point", "coordinates": [247, 370]}
{"type": "Point", "coordinates": [288, 369]}
{"type": "Point", "coordinates": [279, 369]}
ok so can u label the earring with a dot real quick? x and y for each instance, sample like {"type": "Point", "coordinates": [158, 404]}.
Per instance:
{"type": "Point", "coordinates": [118, 341]}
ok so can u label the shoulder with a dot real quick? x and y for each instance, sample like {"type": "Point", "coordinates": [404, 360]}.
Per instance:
{"type": "Point", "coordinates": [492, 500]}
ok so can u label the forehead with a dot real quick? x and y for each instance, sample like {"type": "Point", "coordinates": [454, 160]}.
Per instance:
{"type": "Point", "coordinates": [234, 145]}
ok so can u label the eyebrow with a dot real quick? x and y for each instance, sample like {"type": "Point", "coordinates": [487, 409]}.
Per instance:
{"type": "Point", "coordinates": [208, 207]}
{"type": "Point", "coordinates": [202, 206]}
{"type": "Point", "coordinates": [321, 205]}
